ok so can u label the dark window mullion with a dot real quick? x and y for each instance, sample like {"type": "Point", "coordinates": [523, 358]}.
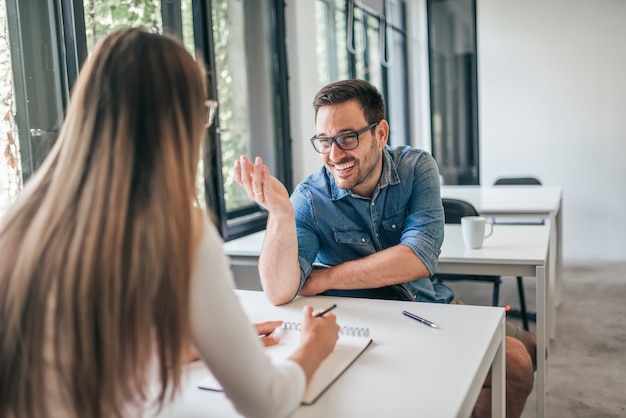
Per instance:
{"type": "Point", "coordinates": [74, 39]}
{"type": "Point", "coordinates": [281, 108]}
{"type": "Point", "coordinates": [172, 18]}
{"type": "Point", "coordinates": [37, 50]}
{"type": "Point", "coordinates": [214, 189]}
{"type": "Point", "coordinates": [331, 40]}
{"type": "Point", "coordinates": [351, 57]}
{"type": "Point", "coordinates": [453, 89]}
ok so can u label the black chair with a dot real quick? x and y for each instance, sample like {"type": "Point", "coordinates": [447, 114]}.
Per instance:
{"type": "Point", "coordinates": [520, 181]}
{"type": "Point", "coordinates": [517, 181]}
{"type": "Point", "coordinates": [454, 210]}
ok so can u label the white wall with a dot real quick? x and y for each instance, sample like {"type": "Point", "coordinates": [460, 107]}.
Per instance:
{"type": "Point", "coordinates": [552, 103]}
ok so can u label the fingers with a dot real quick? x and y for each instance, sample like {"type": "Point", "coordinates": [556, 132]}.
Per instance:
{"type": "Point", "coordinates": [270, 340]}
{"type": "Point", "coordinates": [257, 180]}
{"type": "Point", "coordinates": [323, 329]}
{"type": "Point", "coordinates": [243, 172]}
{"type": "Point", "coordinates": [269, 332]}
{"type": "Point", "coordinates": [253, 177]}
{"type": "Point", "coordinates": [264, 328]}
{"type": "Point", "coordinates": [192, 354]}
{"type": "Point", "coordinates": [309, 315]}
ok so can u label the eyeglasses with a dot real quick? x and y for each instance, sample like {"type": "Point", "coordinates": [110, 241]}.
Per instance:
{"type": "Point", "coordinates": [345, 141]}
{"type": "Point", "coordinates": [211, 110]}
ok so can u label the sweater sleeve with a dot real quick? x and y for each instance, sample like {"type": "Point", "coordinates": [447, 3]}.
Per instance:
{"type": "Point", "coordinates": [228, 344]}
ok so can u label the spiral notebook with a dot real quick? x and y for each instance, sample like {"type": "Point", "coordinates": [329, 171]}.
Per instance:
{"type": "Point", "coordinates": [351, 344]}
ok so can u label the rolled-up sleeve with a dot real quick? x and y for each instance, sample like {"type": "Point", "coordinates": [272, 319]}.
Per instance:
{"type": "Point", "coordinates": [424, 225]}
{"type": "Point", "coordinates": [308, 240]}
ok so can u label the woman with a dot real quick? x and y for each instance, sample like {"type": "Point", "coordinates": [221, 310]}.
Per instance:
{"type": "Point", "coordinates": [108, 268]}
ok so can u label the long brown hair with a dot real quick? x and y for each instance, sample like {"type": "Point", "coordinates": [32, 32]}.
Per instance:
{"type": "Point", "coordinates": [99, 247]}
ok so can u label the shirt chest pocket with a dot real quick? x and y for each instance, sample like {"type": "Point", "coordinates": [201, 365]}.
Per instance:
{"type": "Point", "coordinates": [394, 222]}
{"type": "Point", "coordinates": [352, 237]}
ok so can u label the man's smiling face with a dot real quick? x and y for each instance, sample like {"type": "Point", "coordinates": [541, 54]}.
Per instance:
{"type": "Point", "coordinates": [359, 169]}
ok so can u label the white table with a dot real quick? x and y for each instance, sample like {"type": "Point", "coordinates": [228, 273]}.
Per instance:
{"type": "Point", "coordinates": [409, 370]}
{"type": "Point", "coordinates": [245, 250]}
{"type": "Point", "coordinates": [544, 202]}
{"type": "Point", "coordinates": [512, 250]}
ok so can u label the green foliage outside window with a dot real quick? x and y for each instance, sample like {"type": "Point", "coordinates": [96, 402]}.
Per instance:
{"type": "Point", "coordinates": [103, 17]}
{"type": "Point", "coordinates": [232, 93]}
{"type": "Point", "coordinates": [10, 167]}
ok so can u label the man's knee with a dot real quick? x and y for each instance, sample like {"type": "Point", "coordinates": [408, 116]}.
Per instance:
{"type": "Point", "coordinates": [528, 339]}
{"type": "Point", "coordinates": [519, 366]}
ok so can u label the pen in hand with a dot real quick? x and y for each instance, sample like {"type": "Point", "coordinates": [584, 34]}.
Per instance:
{"type": "Point", "coordinates": [278, 331]}
{"type": "Point", "coordinates": [420, 319]}
{"type": "Point", "coordinates": [325, 311]}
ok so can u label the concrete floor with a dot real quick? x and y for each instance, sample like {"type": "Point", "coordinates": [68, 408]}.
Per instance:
{"type": "Point", "coordinates": [587, 369]}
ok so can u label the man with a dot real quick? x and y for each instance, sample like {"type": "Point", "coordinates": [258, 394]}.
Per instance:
{"type": "Point", "coordinates": [372, 216]}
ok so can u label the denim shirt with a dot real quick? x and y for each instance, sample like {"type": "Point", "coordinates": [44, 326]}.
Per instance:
{"type": "Point", "coordinates": [335, 225]}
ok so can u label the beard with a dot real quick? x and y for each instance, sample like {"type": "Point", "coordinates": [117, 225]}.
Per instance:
{"type": "Point", "coordinates": [349, 173]}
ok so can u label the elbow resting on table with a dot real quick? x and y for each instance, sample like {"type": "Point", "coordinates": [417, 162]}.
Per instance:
{"type": "Point", "coordinates": [278, 296]}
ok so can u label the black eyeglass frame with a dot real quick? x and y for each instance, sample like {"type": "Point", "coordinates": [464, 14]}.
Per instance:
{"type": "Point", "coordinates": [338, 140]}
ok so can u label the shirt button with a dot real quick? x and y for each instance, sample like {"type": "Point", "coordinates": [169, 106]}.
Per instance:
{"type": "Point", "coordinates": [372, 203]}
{"type": "Point", "coordinates": [393, 226]}
{"type": "Point", "coordinates": [414, 297]}
{"type": "Point", "coordinates": [363, 240]}
{"type": "Point", "coordinates": [376, 235]}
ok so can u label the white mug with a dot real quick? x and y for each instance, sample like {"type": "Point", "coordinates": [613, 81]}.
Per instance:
{"type": "Point", "coordinates": [473, 228]}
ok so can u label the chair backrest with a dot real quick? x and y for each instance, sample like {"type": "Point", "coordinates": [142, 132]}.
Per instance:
{"type": "Point", "coordinates": [455, 209]}
{"type": "Point", "coordinates": [517, 181]}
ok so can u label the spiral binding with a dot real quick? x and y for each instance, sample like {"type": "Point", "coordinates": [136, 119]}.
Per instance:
{"type": "Point", "coordinates": [294, 326]}
{"type": "Point", "coordinates": [353, 331]}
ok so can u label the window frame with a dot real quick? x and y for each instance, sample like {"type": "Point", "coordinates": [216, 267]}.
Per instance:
{"type": "Point", "coordinates": [251, 218]}
{"type": "Point", "coordinates": [464, 169]}
{"type": "Point", "coordinates": [364, 14]}
{"type": "Point", "coordinates": [65, 34]}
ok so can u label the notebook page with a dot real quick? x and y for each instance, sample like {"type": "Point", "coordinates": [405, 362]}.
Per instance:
{"type": "Point", "coordinates": [347, 350]}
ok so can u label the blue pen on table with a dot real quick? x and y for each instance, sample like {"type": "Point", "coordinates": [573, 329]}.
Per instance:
{"type": "Point", "coordinates": [420, 319]}
{"type": "Point", "coordinates": [325, 311]}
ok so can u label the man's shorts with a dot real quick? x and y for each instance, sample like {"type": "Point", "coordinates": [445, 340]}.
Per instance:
{"type": "Point", "coordinates": [512, 330]}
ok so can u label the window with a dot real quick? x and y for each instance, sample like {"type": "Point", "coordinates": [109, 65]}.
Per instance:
{"type": "Point", "coordinates": [241, 42]}
{"type": "Point", "coordinates": [453, 89]}
{"type": "Point", "coordinates": [249, 69]}
{"type": "Point", "coordinates": [359, 41]}
{"type": "Point", "coordinates": [39, 93]}
{"type": "Point", "coordinates": [10, 164]}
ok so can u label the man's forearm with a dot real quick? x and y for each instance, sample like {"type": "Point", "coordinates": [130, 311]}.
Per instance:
{"type": "Point", "coordinates": [395, 265]}
{"type": "Point", "coordinates": [278, 264]}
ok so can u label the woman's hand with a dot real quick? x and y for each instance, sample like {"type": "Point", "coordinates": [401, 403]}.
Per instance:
{"type": "Point", "coordinates": [318, 338]}
{"type": "Point", "coordinates": [266, 332]}
{"type": "Point", "coordinates": [192, 354]}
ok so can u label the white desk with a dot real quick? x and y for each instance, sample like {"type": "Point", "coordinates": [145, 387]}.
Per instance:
{"type": "Point", "coordinates": [245, 250]}
{"type": "Point", "coordinates": [518, 250]}
{"type": "Point", "coordinates": [409, 370]}
{"type": "Point", "coordinates": [527, 202]}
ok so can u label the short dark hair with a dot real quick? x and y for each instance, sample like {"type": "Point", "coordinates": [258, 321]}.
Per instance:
{"type": "Point", "coordinates": [366, 94]}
